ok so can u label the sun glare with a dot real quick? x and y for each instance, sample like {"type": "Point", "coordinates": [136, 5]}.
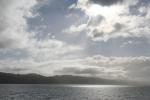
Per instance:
{"type": "Point", "coordinates": [95, 10]}
{"type": "Point", "coordinates": [106, 11]}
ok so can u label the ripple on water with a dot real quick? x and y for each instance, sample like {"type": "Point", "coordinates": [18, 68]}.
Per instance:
{"type": "Point", "coordinates": [72, 92]}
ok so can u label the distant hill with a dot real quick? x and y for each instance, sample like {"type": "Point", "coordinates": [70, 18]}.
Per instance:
{"type": "Point", "coordinates": [8, 78]}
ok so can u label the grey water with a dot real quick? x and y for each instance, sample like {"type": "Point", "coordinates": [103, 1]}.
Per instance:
{"type": "Point", "coordinates": [72, 92]}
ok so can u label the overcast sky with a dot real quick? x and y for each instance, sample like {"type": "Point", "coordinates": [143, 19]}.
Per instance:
{"type": "Point", "coordinates": [99, 38]}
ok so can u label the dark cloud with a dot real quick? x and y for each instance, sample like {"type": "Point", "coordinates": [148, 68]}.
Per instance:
{"type": "Point", "coordinates": [5, 44]}
{"type": "Point", "coordinates": [106, 2]}
{"type": "Point", "coordinates": [15, 70]}
{"type": "Point", "coordinates": [97, 34]}
{"type": "Point", "coordinates": [79, 71]}
{"type": "Point", "coordinates": [118, 26]}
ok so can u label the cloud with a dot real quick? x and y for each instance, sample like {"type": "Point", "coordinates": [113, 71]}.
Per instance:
{"type": "Point", "coordinates": [13, 24]}
{"type": "Point", "coordinates": [127, 68]}
{"type": "Point", "coordinates": [16, 37]}
{"type": "Point", "coordinates": [94, 21]}
{"type": "Point", "coordinates": [75, 29]}
{"type": "Point", "coordinates": [18, 66]}
{"type": "Point", "coordinates": [130, 43]}
{"type": "Point", "coordinates": [106, 2]}
{"type": "Point", "coordinates": [48, 49]}
{"type": "Point", "coordinates": [104, 20]}
{"type": "Point", "coordinates": [132, 67]}
{"type": "Point", "coordinates": [14, 31]}
{"type": "Point", "coordinates": [127, 19]}
{"type": "Point", "coordinates": [79, 71]}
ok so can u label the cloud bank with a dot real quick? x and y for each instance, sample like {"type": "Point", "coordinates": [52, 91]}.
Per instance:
{"type": "Point", "coordinates": [127, 68]}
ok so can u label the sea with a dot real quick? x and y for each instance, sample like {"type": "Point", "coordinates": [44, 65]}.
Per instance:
{"type": "Point", "coordinates": [72, 92]}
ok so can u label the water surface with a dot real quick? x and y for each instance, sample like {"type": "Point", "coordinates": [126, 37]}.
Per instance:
{"type": "Point", "coordinates": [72, 92]}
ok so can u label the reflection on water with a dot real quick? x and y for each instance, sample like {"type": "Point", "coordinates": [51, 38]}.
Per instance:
{"type": "Point", "coordinates": [73, 92]}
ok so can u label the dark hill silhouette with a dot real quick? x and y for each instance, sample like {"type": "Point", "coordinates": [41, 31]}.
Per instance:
{"type": "Point", "coordinates": [9, 78]}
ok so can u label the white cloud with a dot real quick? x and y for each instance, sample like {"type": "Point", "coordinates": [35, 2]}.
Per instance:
{"type": "Point", "coordinates": [14, 34]}
{"type": "Point", "coordinates": [131, 67]}
{"type": "Point", "coordinates": [131, 18]}
{"type": "Point", "coordinates": [13, 24]}
{"type": "Point", "coordinates": [130, 43]}
{"type": "Point", "coordinates": [18, 66]}
{"type": "Point", "coordinates": [128, 68]}
{"type": "Point", "coordinates": [74, 30]}
{"type": "Point", "coordinates": [49, 49]}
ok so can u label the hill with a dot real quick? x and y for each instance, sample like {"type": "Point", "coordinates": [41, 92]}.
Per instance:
{"type": "Point", "coordinates": [9, 78]}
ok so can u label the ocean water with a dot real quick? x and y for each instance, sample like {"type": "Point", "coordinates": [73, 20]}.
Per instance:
{"type": "Point", "coordinates": [72, 92]}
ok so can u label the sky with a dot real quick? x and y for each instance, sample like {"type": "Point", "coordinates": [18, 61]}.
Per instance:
{"type": "Point", "coordinates": [97, 38]}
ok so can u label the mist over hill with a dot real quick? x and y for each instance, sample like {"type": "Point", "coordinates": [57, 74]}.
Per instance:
{"type": "Point", "coordinates": [9, 78]}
